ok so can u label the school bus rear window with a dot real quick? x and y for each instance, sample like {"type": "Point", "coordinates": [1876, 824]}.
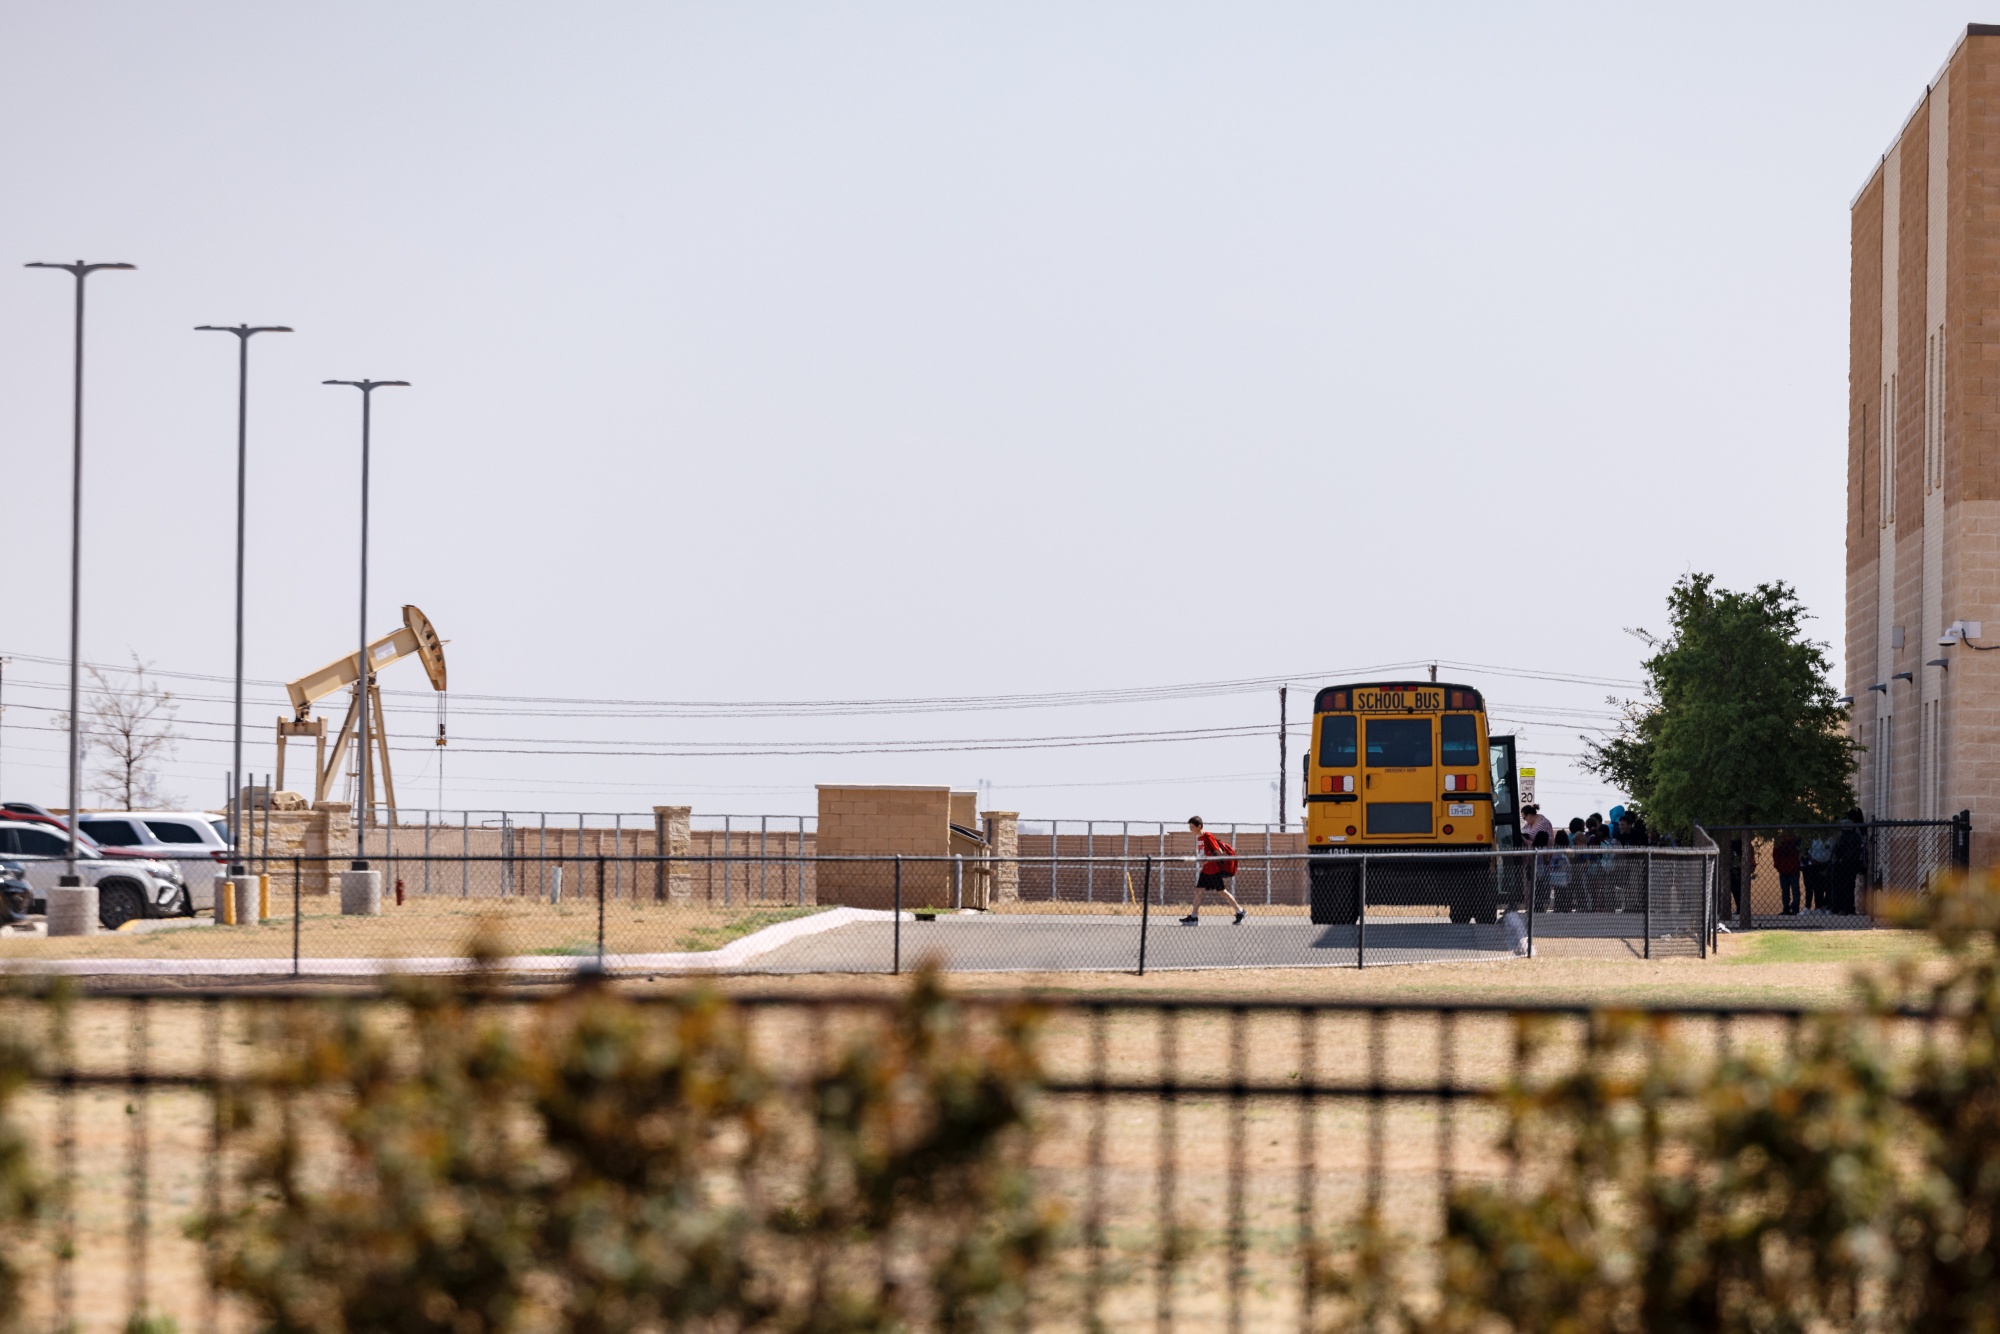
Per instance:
{"type": "Point", "coordinates": [1458, 741]}
{"type": "Point", "coordinates": [1336, 741]}
{"type": "Point", "coordinates": [1399, 743]}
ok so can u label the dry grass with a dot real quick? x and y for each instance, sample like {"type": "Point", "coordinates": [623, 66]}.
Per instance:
{"type": "Point", "coordinates": [425, 927]}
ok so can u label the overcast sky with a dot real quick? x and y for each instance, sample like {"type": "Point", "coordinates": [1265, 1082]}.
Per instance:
{"type": "Point", "coordinates": [882, 351]}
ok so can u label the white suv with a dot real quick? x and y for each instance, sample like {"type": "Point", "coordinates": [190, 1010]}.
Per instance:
{"type": "Point", "coordinates": [194, 841]}
{"type": "Point", "coordinates": [127, 887]}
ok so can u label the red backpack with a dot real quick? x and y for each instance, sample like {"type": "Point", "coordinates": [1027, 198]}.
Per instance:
{"type": "Point", "coordinates": [1226, 860]}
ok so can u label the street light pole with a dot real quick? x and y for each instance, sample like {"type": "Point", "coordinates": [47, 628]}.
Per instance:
{"type": "Point", "coordinates": [243, 332]}
{"type": "Point", "coordinates": [80, 270]}
{"type": "Point", "coordinates": [367, 388]}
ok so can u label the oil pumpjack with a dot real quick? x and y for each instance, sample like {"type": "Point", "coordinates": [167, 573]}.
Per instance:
{"type": "Point", "coordinates": [415, 635]}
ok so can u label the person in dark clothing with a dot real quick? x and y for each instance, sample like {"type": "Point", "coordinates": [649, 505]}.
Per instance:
{"type": "Point", "coordinates": [1630, 832]}
{"type": "Point", "coordinates": [1785, 861]}
{"type": "Point", "coordinates": [1537, 871]}
{"type": "Point", "coordinates": [1848, 852]}
{"type": "Point", "coordinates": [1818, 871]}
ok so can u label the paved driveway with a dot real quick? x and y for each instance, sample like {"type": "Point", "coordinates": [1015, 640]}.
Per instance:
{"type": "Point", "coordinates": [1021, 942]}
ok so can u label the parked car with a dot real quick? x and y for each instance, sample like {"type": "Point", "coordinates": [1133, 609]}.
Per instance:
{"type": "Point", "coordinates": [195, 841]}
{"type": "Point", "coordinates": [33, 814]}
{"type": "Point", "coordinates": [127, 887]}
{"type": "Point", "coordinates": [17, 896]}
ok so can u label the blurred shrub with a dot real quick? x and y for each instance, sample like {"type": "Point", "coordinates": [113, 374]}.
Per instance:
{"type": "Point", "coordinates": [598, 1164]}
{"type": "Point", "coordinates": [23, 1196]}
{"type": "Point", "coordinates": [1851, 1181]}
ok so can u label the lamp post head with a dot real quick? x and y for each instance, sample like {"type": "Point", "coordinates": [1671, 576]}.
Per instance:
{"type": "Point", "coordinates": [367, 385]}
{"type": "Point", "coordinates": [80, 268]}
{"type": "Point", "coordinates": [242, 330]}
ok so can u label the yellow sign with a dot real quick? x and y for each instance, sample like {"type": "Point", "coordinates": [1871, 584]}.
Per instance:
{"type": "Point", "coordinates": [1398, 701]}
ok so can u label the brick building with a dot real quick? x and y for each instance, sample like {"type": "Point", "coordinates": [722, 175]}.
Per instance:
{"type": "Point", "coordinates": [1923, 455]}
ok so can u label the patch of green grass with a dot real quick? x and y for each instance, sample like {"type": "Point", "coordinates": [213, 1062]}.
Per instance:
{"type": "Point", "coordinates": [714, 936]}
{"type": "Point", "coordinates": [1827, 946]}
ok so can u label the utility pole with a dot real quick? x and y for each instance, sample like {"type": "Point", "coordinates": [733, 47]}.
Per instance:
{"type": "Point", "coordinates": [1284, 765]}
{"type": "Point", "coordinates": [3, 707]}
{"type": "Point", "coordinates": [1434, 673]}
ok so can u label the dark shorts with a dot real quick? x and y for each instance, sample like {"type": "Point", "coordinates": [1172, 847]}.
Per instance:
{"type": "Point", "coordinates": [1211, 880]}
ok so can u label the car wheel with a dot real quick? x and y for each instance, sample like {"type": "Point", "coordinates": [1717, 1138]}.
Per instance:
{"type": "Point", "coordinates": [118, 903]}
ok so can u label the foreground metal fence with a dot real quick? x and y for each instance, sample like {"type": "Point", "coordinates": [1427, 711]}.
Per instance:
{"type": "Point", "coordinates": [797, 914]}
{"type": "Point", "coordinates": [1201, 1163]}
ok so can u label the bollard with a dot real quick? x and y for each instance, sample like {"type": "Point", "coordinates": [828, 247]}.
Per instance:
{"type": "Point", "coordinates": [73, 910]}
{"type": "Point", "coordinates": [246, 903]}
{"type": "Point", "coordinates": [225, 903]}
{"type": "Point", "coordinates": [263, 898]}
{"type": "Point", "coordinates": [360, 893]}
{"type": "Point", "coordinates": [1145, 910]}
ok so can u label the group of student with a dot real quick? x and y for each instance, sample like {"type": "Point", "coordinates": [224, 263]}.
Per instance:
{"type": "Point", "coordinates": [1625, 829]}
{"type": "Point", "coordinates": [1825, 869]}
{"type": "Point", "coordinates": [1578, 873]}
{"type": "Point", "coordinates": [1576, 870]}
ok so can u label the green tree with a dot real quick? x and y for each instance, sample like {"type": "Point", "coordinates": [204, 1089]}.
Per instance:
{"type": "Point", "coordinates": [1740, 724]}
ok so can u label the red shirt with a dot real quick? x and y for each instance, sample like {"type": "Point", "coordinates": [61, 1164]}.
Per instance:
{"type": "Point", "coordinates": [1206, 844]}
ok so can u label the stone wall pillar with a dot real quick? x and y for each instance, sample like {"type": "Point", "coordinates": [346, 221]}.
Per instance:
{"type": "Point", "coordinates": [1003, 844]}
{"type": "Point", "coordinates": [328, 839]}
{"type": "Point", "coordinates": [673, 832]}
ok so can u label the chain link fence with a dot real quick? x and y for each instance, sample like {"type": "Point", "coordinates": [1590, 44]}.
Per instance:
{"type": "Point", "coordinates": [1834, 876]}
{"type": "Point", "coordinates": [794, 913]}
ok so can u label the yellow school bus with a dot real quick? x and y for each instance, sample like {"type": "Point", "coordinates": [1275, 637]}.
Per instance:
{"type": "Point", "coordinates": [1404, 767]}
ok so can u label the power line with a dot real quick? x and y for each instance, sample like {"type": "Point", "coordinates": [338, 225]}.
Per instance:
{"type": "Point", "coordinates": [573, 706]}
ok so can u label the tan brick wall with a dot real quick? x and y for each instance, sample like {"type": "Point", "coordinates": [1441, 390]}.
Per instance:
{"type": "Point", "coordinates": [1967, 549]}
{"type": "Point", "coordinates": [881, 822]}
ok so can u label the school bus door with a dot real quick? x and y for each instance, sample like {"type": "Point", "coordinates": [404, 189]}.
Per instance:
{"type": "Point", "coordinates": [1399, 776]}
{"type": "Point", "coordinates": [1506, 782]}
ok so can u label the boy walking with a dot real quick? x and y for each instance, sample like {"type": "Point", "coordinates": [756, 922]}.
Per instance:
{"type": "Point", "coordinates": [1212, 851]}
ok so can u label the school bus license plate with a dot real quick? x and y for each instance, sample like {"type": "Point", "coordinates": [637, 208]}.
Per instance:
{"type": "Point", "coordinates": [1459, 810]}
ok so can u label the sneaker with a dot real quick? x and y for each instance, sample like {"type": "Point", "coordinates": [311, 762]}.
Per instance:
{"type": "Point", "coordinates": [1240, 915]}
{"type": "Point", "coordinates": [1191, 920]}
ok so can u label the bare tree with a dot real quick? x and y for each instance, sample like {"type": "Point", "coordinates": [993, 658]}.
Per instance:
{"type": "Point", "coordinates": [131, 728]}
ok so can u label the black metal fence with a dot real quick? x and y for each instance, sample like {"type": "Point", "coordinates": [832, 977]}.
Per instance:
{"type": "Point", "coordinates": [1834, 875]}
{"type": "Point", "coordinates": [650, 915]}
{"type": "Point", "coordinates": [1197, 1165]}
